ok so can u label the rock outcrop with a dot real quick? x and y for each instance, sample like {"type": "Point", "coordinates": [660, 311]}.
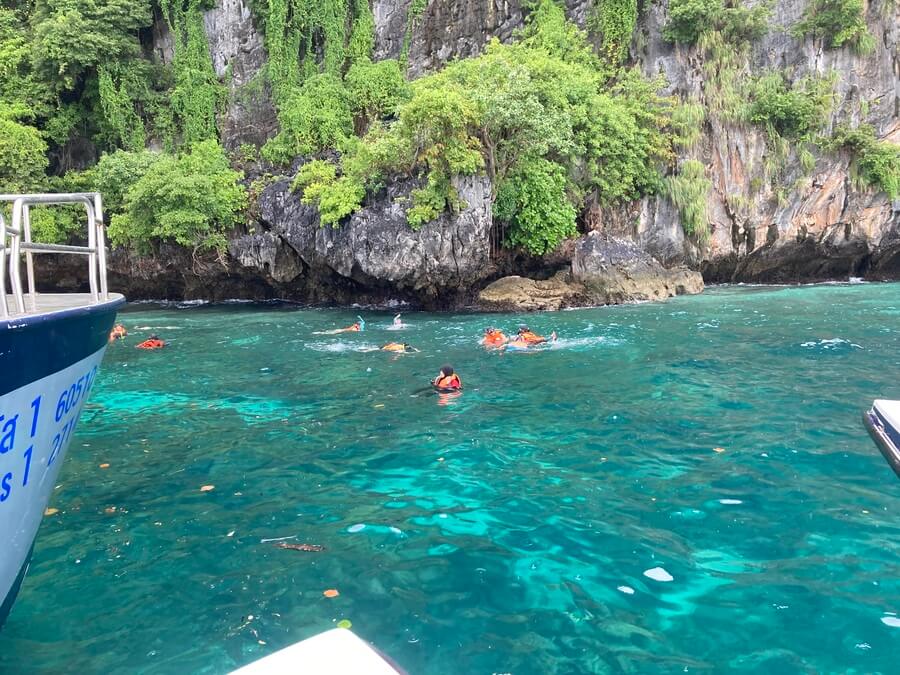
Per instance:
{"type": "Point", "coordinates": [517, 293]}
{"type": "Point", "coordinates": [618, 270]}
{"type": "Point", "coordinates": [605, 271]}
{"type": "Point", "coordinates": [375, 251]}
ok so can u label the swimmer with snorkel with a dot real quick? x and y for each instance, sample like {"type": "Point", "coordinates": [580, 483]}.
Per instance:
{"type": "Point", "coordinates": [357, 327]}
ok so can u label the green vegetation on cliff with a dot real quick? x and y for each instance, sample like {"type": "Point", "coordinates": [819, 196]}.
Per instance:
{"type": "Point", "coordinates": [556, 119]}
{"type": "Point", "coordinates": [192, 198]}
{"type": "Point", "coordinates": [540, 117]}
{"type": "Point", "coordinates": [838, 23]}
{"type": "Point", "coordinates": [875, 163]}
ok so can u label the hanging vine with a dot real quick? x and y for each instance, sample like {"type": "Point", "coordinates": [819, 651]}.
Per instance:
{"type": "Point", "coordinates": [119, 113]}
{"type": "Point", "coordinates": [614, 21]}
{"type": "Point", "coordinates": [198, 94]}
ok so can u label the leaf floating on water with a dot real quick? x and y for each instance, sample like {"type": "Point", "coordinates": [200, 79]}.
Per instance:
{"type": "Point", "coordinates": [105, 465]}
{"type": "Point", "coordinates": [658, 574]}
{"type": "Point", "coordinates": [50, 511]}
{"type": "Point", "coordinates": [344, 623]}
{"type": "Point", "coordinates": [207, 488]}
{"type": "Point", "coordinates": [309, 548]}
{"type": "Point", "coordinates": [330, 593]}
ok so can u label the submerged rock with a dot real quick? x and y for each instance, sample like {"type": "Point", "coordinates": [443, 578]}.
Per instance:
{"type": "Point", "coordinates": [616, 270]}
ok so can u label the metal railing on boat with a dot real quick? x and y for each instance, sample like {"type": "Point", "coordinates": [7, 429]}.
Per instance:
{"type": "Point", "coordinates": [15, 239]}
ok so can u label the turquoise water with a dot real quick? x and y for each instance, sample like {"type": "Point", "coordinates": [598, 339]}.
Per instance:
{"type": "Point", "coordinates": [507, 530]}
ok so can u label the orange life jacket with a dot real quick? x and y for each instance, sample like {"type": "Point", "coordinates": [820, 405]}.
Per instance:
{"type": "Point", "coordinates": [151, 344]}
{"type": "Point", "coordinates": [495, 337]}
{"type": "Point", "coordinates": [394, 347]}
{"type": "Point", "coordinates": [530, 337]}
{"type": "Point", "coordinates": [449, 382]}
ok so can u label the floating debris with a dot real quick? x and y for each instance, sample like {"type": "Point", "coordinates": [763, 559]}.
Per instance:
{"type": "Point", "coordinates": [230, 534]}
{"type": "Point", "coordinates": [730, 502]}
{"type": "Point", "coordinates": [330, 593]}
{"type": "Point", "coordinates": [627, 590]}
{"type": "Point", "coordinates": [344, 623]}
{"type": "Point", "coordinates": [109, 509]}
{"type": "Point", "coordinates": [309, 548]}
{"type": "Point", "coordinates": [105, 465]}
{"type": "Point", "coordinates": [359, 527]}
{"type": "Point", "coordinates": [658, 574]}
{"type": "Point", "coordinates": [207, 488]}
{"type": "Point", "coordinates": [50, 511]}
{"type": "Point", "coordinates": [266, 541]}
{"type": "Point", "coordinates": [891, 621]}
{"type": "Point", "coordinates": [718, 449]}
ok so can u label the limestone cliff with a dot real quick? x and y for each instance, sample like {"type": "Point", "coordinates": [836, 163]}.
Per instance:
{"type": "Point", "coordinates": [821, 226]}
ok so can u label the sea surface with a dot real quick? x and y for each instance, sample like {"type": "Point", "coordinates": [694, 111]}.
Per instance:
{"type": "Point", "coordinates": [676, 487]}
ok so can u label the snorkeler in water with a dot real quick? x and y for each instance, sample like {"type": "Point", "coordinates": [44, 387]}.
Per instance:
{"type": "Point", "coordinates": [153, 342]}
{"type": "Point", "coordinates": [117, 333]}
{"type": "Point", "coordinates": [528, 336]}
{"type": "Point", "coordinates": [357, 327]}
{"type": "Point", "coordinates": [447, 380]}
{"type": "Point", "coordinates": [399, 347]}
{"type": "Point", "coordinates": [397, 323]}
{"type": "Point", "coordinates": [493, 338]}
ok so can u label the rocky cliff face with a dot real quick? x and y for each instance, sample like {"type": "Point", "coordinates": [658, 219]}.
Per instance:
{"type": "Point", "coordinates": [822, 227]}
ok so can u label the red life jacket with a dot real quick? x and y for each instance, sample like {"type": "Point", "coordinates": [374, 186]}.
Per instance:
{"type": "Point", "coordinates": [151, 344]}
{"type": "Point", "coordinates": [531, 338]}
{"type": "Point", "coordinates": [495, 337]}
{"type": "Point", "coordinates": [449, 382]}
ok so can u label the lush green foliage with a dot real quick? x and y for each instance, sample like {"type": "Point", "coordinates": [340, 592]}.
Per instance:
{"type": "Point", "coordinates": [534, 201]}
{"type": "Point", "coordinates": [876, 163]}
{"type": "Point", "coordinates": [689, 19]}
{"type": "Point", "coordinates": [689, 191]}
{"type": "Point", "coordinates": [614, 21]}
{"type": "Point", "coordinates": [191, 199]}
{"type": "Point", "coordinates": [198, 94]}
{"type": "Point", "coordinates": [116, 172]}
{"type": "Point", "coordinates": [315, 116]}
{"type": "Point", "coordinates": [539, 117]}
{"type": "Point", "coordinates": [313, 104]}
{"type": "Point", "coordinates": [838, 22]}
{"type": "Point", "coordinates": [23, 156]}
{"type": "Point", "coordinates": [374, 90]}
{"type": "Point", "coordinates": [74, 37]}
{"type": "Point", "coordinates": [790, 111]}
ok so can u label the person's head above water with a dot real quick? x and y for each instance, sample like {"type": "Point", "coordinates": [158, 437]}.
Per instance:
{"type": "Point", "coordinates": [447, 370]}
{"type": "Point", "coordinates": [153, 336]}
{"type": "Point", "coordinates": [489, 330]}
{"type": "Point", "coordinates": [523, 329]}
